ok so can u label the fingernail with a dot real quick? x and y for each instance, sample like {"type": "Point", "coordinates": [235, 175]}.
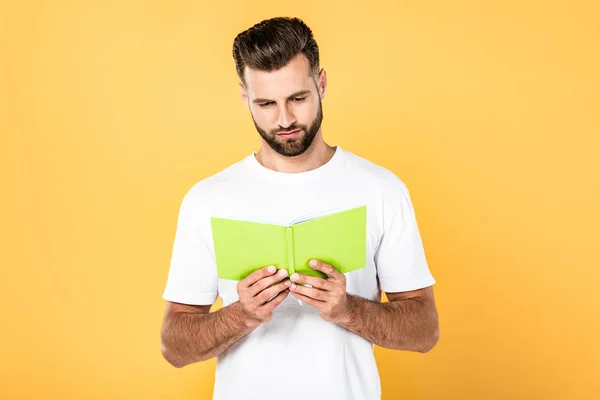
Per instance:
{"type": "Point", "coordinates": [271, 268]}
{"type": "Point", "coordinates": [313, 263]}
{"type": "Point", "coordinates": [294, 277]}
{"type": "Point", "coordinates": [287, 283]}
{"type": "Point", "coordinates": [293, 286]}
{"type": "Point", "coordinates": [283, 272]}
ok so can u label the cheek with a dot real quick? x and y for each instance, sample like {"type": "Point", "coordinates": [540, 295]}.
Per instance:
{"type": "Point", "coordinates": [264, 118]}
{"type": "Point", "coordinates": [306, 113]}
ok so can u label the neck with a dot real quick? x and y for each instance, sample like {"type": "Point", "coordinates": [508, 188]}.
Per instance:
{"type": "Point", "coordinates": [318, 154]}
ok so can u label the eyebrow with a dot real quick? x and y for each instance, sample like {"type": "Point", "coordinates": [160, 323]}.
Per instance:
{"type": "Point", "coordinates": [300, 93]}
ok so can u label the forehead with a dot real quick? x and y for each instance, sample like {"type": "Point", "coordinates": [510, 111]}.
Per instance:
{"type": "Point", "coordinates": [293, 77]}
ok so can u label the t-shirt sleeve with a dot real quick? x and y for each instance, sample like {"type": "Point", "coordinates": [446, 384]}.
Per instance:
{"type": "Point", "coordinates": [400, 257]}
{"type": "Point", "coordinates": [192, 277]}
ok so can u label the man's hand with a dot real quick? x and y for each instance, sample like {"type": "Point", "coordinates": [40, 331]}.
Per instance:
{"type": "Point", "coordinates": [327, 295]}
{"type": "Point", "coordinates": [259, 295]}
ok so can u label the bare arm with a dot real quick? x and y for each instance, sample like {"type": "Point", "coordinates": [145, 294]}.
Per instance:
{"type": "Point", "coordinates": [191, 333]}
{"type": "Point", "coordinates": [408, 322]}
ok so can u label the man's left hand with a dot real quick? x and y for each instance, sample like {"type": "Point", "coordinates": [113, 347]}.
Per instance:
{"type": "Point", "coordinates": [327, 295]}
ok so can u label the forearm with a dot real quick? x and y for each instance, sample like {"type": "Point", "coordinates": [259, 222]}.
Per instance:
{"type": "Point", "coordinates": [407, 324]}
{"type": "Point", "coordinates": [191, 337]}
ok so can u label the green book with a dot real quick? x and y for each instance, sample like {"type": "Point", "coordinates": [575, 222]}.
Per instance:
{"type": "Point", "coordinates": [337, 238]}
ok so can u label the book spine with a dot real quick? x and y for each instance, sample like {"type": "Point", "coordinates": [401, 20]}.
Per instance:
{"type": "Point", "coordinates": [290, 249]}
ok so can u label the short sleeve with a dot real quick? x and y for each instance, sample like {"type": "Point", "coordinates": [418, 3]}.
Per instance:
{"type": "Point", "coordinates": [192, 277]}
{"type": "Point", "coordinates": [400, 256]}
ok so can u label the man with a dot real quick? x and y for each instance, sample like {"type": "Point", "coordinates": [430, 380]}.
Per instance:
{"type": "Point", "coordinates": [320, 347]}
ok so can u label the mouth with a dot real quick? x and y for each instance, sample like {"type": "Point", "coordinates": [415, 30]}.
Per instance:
{"type": "Point", "coordinates": [289, 134]}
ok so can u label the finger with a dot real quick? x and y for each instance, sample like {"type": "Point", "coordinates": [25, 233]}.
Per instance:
{"type": "Point", "coordinates": [313, 281]}
{"type": "Point", "coordinates": [313, 293]}
{"type": "Point", "coordinates": [266, 294]}
{"type": "Point", "coordinates": [275, 301]}
{"type": "Point", "coordinates": [256, 275]}
{"type": "Point", "coordinates": [327, 269]}
{"type": "Point", "coordinates": [315, 303]}
{"type": "Point", "coordinates": [267, 281]}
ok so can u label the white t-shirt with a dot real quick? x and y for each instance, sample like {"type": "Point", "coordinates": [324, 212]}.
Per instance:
{"type": "Point", "coordinates": [297, 354]}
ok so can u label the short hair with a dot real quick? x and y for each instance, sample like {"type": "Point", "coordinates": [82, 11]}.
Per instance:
{"type": "Point", "coordinates": [272, 43]}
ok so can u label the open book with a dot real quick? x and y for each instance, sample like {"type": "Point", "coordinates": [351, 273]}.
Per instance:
{"type": "Point", "coordinates": [334, 237]}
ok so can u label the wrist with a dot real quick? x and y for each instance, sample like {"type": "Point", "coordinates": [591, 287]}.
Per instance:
{"type": "Point", "coordinates": [246, 320]}
{"type": "Point", "coordinates": [349, 311]}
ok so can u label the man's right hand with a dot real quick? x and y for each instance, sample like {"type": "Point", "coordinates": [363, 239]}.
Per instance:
{"type": "Point", "coordinates": [256, 289]}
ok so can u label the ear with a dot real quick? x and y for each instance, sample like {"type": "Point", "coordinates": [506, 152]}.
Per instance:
{"type": "Point", "coordinates": [244, 94]}
{"type": "Point", "coordinates": [322, 83]}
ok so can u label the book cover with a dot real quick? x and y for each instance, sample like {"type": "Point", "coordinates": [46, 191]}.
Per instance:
{"type": "Point", "coordinates": [334, 237]}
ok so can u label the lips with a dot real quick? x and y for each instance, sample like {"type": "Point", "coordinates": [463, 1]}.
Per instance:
{"type": "Point", "coordinates": [289, 132]}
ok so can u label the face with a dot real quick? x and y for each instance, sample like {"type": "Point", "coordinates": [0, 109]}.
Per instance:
{"type": "Point", "coordinates": [286, 100]}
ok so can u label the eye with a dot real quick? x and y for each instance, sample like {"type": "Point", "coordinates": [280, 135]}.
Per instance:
{"type": "Point", "coordinates": [266, 104]}
{"type": "Point", "coordinates": [298, 99]}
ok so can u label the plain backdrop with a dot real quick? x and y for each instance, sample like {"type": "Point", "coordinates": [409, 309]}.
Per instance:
{"type": "Point", "coordinates": [488, 111]}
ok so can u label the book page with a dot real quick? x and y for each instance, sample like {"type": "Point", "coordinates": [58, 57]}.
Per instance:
{"type": "Point", "coordinates": [315, 215]}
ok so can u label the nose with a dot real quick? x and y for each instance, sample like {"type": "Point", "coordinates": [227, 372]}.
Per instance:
{"type": "Point", "coordinates": [286, 118]}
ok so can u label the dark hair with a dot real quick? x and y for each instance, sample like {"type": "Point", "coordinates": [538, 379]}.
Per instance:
{"type": "Point", "coordinates": [272, 43]}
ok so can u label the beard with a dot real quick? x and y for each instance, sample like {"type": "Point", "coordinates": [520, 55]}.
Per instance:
{"type": "Point", "coordinates": [294, 146]}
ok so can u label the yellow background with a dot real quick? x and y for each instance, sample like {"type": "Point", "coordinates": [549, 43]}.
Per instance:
{"type": "Point", "coordinates": [488, 111]}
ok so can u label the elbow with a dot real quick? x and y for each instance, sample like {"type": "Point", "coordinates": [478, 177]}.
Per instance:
{"type": "Point", "coordinates": [167, 355]}
{"type": "Point", "coordinates": [167, 348]}
{"type": "Point", "coordinates": [430, 340]}
{"type": "Point", "coordinates": [178, 361]}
